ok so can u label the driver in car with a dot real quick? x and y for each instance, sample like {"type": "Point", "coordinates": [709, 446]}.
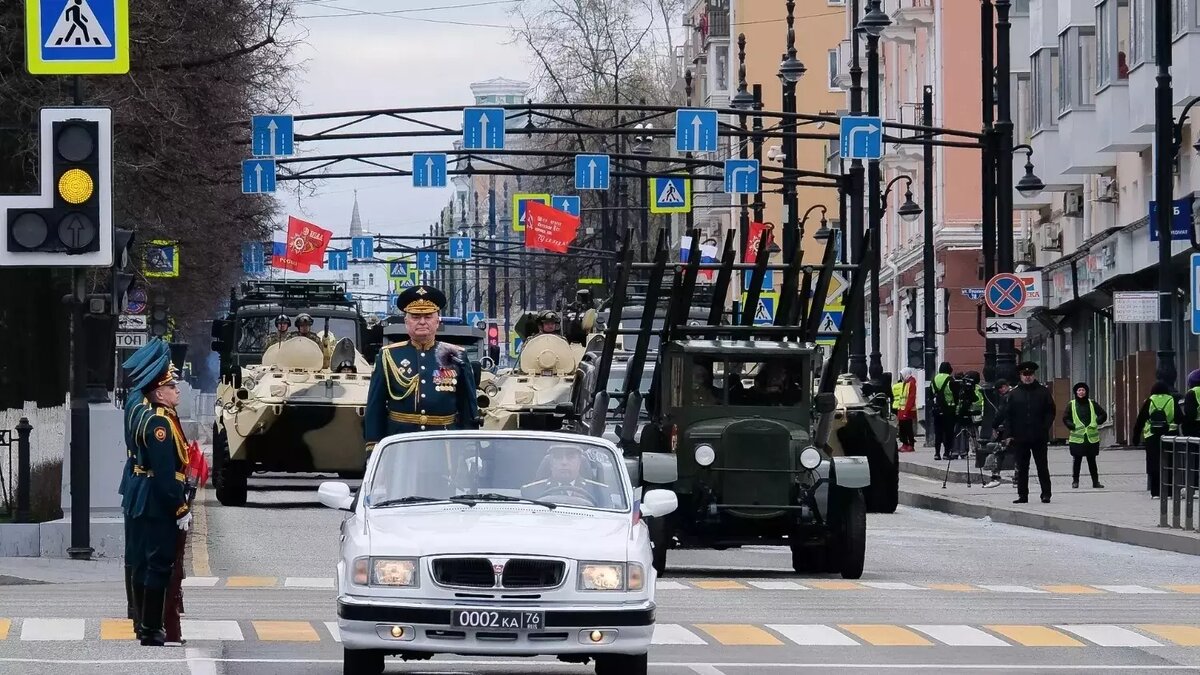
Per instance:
{"type": "Point", "coordinates": [566, 465]}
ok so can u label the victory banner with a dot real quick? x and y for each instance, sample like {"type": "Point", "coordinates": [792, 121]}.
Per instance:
{"type": "Point", "coordinates": [549, 229]}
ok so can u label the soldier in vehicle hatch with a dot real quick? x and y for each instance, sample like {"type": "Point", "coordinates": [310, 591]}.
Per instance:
{"type": "Point", "coordinates": [282, 324]}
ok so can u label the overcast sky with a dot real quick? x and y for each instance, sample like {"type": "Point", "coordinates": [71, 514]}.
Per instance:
{"type": "Point", "coordinates": [392, 60]}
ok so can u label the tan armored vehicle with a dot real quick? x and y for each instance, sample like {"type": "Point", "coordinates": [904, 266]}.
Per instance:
{"type": "Point", "coordinates": [537, 393]}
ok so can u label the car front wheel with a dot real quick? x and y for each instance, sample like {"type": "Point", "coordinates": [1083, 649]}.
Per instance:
{"type": "Point", "coordinates": [362, 662]}
{"type": "Point", "coordinates": [622, 664]}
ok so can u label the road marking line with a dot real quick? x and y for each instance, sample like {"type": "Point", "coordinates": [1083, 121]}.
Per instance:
{"type": "Point", "coordinates": [309, 582]}
{"type": "Point", "coordinates": [51, 629]}
{"type": "Point", "coordinates": [957, 588]}
{"type": "Point", "coordinates": [540, 665]}
{"type": "Point", "coordinates": [200, 662]}
{"type": "Point", "coordinates": [670, 586]}
{"type": "Point", "coordinates": [250, 582]}
{"type": "Point", "coordinates": [813, 635]}
{"type": "Point", "coordinates": [334, 632]}
{"type": "Point", "coordinates": [836, 585]}
{"type": "Point", "coordinates": [1004, 588]}
{"type": "Point", "coordinates": [198, 542]}
{"type": "Point", "coordinates": [116, 629]}
{"type": "Point", "coordinates": [885, 635]}
{"type": "Point", "coordinates": [1184, 636]}
{"type": "Point", "coordinates": [778, 585]}
{"type": "Point", "coordinates": [1072, 589]}
{"type": "Point", "coordinates": [5, 624]}
{"type": "Point", "coordinates": [1129, 589]}
{"type": "Point", "coordinates": [705, 669]}
{"type": "Point", "coordinates": [891, 586]}
{"type": "Point", "coordinates": [718, 585]}
{"type": "Point", "coordinates": [674, 634]}
{"type": "Point", "coordinates": [199, 582]}
{"type": "Point", "coordinates": [1036, 636]}
{"type": "Point", "coordinates": [195, 629]}
{"type": "Point", "coordinates": [285, 631]}
{"type": "Point", "coordinates": [738, 634]}
{"type": "Point", "coordinates": [960, 636]}
{"type": "Point", "coordinates": [1110, 636]}
{"type": "Point", "coordinates": [1184, 588]}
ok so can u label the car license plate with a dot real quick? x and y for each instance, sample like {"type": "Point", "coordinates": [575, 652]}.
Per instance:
{"type": "Point", "coordinates": [486, 618]}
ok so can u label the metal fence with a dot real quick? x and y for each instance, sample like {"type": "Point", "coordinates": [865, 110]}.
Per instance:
{"type": "Point", "coordinates": [1179, 479]}
{"type": "Point", "coordinates": [15, 475]}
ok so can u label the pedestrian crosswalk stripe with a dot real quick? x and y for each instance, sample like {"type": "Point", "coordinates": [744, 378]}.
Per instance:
{"type": "Point", "coordinates": [1183, 588]}
{"type": "Point", "coordinates": [813, 635]}
{"type": "Point", "coordinates": [957, 588]}
{"type": "Point", "coordinates": [835, 585]}
{"type": "Point", "coordinates": [200, 582]}
{"type": "Point", "coordinates": [1131, 589]}
{"type": "Point", "coordinates": [778, 585]}
{"type": "Point", "coordinates": [670, 586]}
{"type": "Point", "coordinates": [309, 582]}
{"type": "Point", "coordinates": [250, 582]}
{"type": "Point", "coordinates": [674, 634]}
{"type": "Point", "coordinates": [285, 631]}
{"type": "Point", "coordinates": [5, 624]}
{"type": "Point", "coordinates": [886, 635]}
{"type": "Point", "coordinates": [739, 634]}
{"type": "Point", "coordinates": [116, 629]}
{"type": "Point", "coordinates": [1066, 589]}
{"type": "Point", "coordinates": [1110, 636]}
{"type": "Point", "coordinates": [1184, 636]}
{"type": "Point", "coordinates": [960, 636]}
{"type": "Point", "coordinates": [334, 633]}
{"type": "Point", "coordinates": [718, 585]}
{"type": "Point", "coordinates": [1010, 589]}
{"type": "Point", "coordinates": [891, 586]}
{"type": "Point", "coordinates": [201, 630]}
{"type": "Point", "coordinates": [1036, 636]}
{"type": "Point", "coordinates": [52, 629]}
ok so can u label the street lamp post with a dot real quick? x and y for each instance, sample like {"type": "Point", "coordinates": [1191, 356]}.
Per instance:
{"type": "Point", "coordinates": [988, 163]}
{"type": "Point", "coordinates": [642, 146]}
{"type": "Point", "coordinates": [790, 71]}
{"type": "Point", "coordinates": [743, 101]}
{"type": "Point", "coordinates": [873, 23]}
{"type": "Point", "coordinates": [928, 260]}
{"type": "Point", "coordinates": [1006, 358]}
{"type": "Point", "coordinates": [1164, 156]}
{"type": "Point", "coordinates": [858, 339]}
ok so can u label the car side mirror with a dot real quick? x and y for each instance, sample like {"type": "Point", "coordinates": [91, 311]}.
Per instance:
{"type": "Point", "coordinates": [658, 503]}
{"type": "Point", "coordinates": [335, 495]}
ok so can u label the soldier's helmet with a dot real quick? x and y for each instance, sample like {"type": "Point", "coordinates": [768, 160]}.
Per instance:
{"type": "Point", "coordinates": [283, 320]}
{"type": "Point", "coordinates": [548, 316]}
{"type": "Point", "coordinates": [304, 320]}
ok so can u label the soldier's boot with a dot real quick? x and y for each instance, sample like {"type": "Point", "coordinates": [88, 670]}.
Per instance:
{"type": "Point", "coordinates": [153, 634]}
{"type": "Point", "coordinates": [171, 620]}
{"type": "Point", "coordinates": [131, 609]}
{"type": "Point", "coordinates": [139, 595]}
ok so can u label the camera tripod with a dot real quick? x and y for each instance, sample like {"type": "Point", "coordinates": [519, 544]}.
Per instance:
{"type": "Point", "coordinates": [969, 439]}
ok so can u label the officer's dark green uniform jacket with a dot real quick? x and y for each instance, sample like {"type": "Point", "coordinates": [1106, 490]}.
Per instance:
{"type": "Point", "coordinates": [157, 493]}
{"type": "Point", "coordinates": [420, 388]}
{"type": "Point", "coordinates": [138, 412]}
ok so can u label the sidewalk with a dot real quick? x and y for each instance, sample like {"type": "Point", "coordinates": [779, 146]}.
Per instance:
{"type": "Point", "coordinates": [59, 570]}
{"type": "Point", "coordinates": [1121, 512]}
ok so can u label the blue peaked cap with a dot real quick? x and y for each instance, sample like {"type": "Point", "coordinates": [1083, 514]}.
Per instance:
{"type": "Point", "coordinates": [148, 364]}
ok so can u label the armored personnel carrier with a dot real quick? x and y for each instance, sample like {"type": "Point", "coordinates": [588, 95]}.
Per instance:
{"type": "Point", "coordinates": [536, 394]}
{"type": "Point", "coordinates": [740, 414]}
{"type": "Point", "coordinates": [294, 405]}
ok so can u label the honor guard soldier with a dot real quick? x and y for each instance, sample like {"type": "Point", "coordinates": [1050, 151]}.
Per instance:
{"type": "Point", "coordinates": [157, 490]}
{"type": "Point", "coordinates": [420, 384]}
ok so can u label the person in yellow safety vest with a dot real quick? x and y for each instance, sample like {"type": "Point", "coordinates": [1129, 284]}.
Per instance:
{"type": "Point", "coordinates": [1190, 424]}
{"type": "Point", "coordinates": [943, 400]}
{"type": "Point", "coordinates": [1083, 416]}
{"type": "Point", "coordinates": [904, 403]}
{"type": "Point", "coordinates": [1155, 419]}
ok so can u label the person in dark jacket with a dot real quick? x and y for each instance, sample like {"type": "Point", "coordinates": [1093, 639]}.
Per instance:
{"type": "Point", "coordinates": [1026, 418]}
{"type": "Point", "coordinates": [1083, 416]}
{"type": "Point", "coordinates": [1155, 419]}
{"type": "Point", "coordinates": [1190, 424]}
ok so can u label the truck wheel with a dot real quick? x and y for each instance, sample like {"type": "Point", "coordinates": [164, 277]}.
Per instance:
{"type": "Point", "coordinates": [887, 491]}
{"type": "Point", "coordinates": [622, 664]}
{"type": "Point", "coordinates": [850, 535]}
{"type": "Point", "coordinates": [229, 477]}
{"type": "Point", "coordinates": [659, 540]}
{"type": "Point", "coordinates": [362, 662]}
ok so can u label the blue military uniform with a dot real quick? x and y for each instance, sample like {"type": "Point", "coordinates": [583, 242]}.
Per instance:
{"type": "Point", "coordinates": [420, 387]}
{"type": "Point", "coordinates": [154, 489]}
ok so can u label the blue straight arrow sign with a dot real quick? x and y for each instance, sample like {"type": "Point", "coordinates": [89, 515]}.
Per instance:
{"type": "Point", "coordinates": [460, 248]}
{"type": "Point", "coordinates": [695, 130]}
{"type": "Point", "coordinates": [258, 176]}
{"type": "Point", "coordinates": [338, 260]}
{"type": "Point", "coordinates": [362, 248]}
{"type": "Point", "coordinates": [591, 172]}
{"type": "Point", "coordinates": [426, 261]}
{"type": "Point", "coordinates": [429, 169]}
{"type": "Point", "coordinates": [483, 128]}
{"type": "Point", "coordinates": [272, 135]}
{"type": "Point", "coordinates": [567, 204]}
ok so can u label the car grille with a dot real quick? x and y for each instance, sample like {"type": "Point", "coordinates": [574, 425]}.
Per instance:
{"type": "Point", "coordinates": [522, 573]}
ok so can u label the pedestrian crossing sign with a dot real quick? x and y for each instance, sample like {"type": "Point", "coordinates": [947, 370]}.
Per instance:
{"type": "Point", "coordinates": [764, 313]}
{"type": "Point", "coordinates": [670, 195]}
{"type": "Point", "coordinates": [831, 324]}
{"type": "Point", "coordinates": [77, 37]}
{"type": "Point", "coordinates": [519, 201]}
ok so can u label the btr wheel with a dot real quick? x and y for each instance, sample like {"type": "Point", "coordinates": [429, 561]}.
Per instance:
{"type": "Point", "coordinates": [362, 662]}
{"type": "Point", "coordinates": [622, 664]}
{"type": "Point", "coordinates": [229, 476]}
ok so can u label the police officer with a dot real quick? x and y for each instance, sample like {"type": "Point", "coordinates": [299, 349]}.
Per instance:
{"type": "Point", "coordinates": [1026, 417]}
{"type": "Point", "coordinates": [420, 384]}
{"type": "Point", "coordinates": [282, 324]}
{"type": "Point", "coordinates": [566, 479]}
{"type": "Point", "coordinates": [157, 491]}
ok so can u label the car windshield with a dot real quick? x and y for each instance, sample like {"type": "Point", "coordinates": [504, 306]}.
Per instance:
{"type": "Point", "coordinates": [255, 333]}
{"type": "Point", "coordinates": [479, 469]}
{"type": "Point", "coordinates": [767, 382]}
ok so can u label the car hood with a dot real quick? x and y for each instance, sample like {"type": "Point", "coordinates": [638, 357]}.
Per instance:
{"type": "Point", "coordinates": [501, 529]}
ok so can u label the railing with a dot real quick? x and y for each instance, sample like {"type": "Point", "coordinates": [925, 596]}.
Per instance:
{"type": "Point", "coordinates": [15, 488]}
{"type": "Point", "coordinates": [1179, 479]}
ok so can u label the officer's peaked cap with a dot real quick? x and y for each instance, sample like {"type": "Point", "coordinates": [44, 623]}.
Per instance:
{"type": "Point", "coordinates": [150, 366]}
{"type": "Point", "coordinates": [421, 300]}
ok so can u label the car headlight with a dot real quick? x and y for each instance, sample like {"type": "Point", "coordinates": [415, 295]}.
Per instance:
{"type": "Point", "coordinates": [810, 458]}
{"type": "Point", "coordinates": [600, 576]}
{"type": "Point", "coordinates": [390, 571]}
{"type": "Point", "coordinates": [705, 455]}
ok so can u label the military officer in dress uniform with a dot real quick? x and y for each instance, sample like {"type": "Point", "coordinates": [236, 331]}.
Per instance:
{"type": "Point", "coordinates": [566, 478]}
{"type": "Point", "coordinates": [420, 384]}
{"type": "Point", "coordinates": [157, 491]}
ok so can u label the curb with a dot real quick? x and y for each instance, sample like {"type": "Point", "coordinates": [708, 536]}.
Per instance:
{"type": "Point", "coordinates": [939, 472]}
{"type": "Point", "coordinates": [1163, 540]}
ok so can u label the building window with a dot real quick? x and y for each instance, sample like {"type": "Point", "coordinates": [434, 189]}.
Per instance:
{"type": "Point", "coordinates": [1077, 70]}
{"type": "Point", "coordinates": [1020, 8]}
{"type": "Point", "coordinates": [721, 72]}
{"type": "Point", "coordinates": [1112, 25]}
{"type": "Point", "coordinates": [1023, 105]}
{"type": "Point", "coordinates": [1045, 88]}
{"type": "Point", "coordinates": [833, 69]}
{"type": "Point", "coordinates": [1141, 32]}
{"type": "Point", "coordinates": [354, 279]}
{"type": "Point", "coordinates": [371, 279]}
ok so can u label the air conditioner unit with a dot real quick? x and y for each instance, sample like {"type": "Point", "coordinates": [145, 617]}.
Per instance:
{"type": "Point", "coordinates": [1073, 205]}
{"type": "Point", "coordinates": [1106, 189]}
{"type": "Point", "coordinates": [1051, 236]}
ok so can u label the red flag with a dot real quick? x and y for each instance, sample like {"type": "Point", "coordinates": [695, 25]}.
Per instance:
{"type": "Point", "coordinates": [306, 242]}
{"type": "Point", "coordinates": [197, 465]}
{"type": "Point", "coordinates": [283, 262]}
{"type": "Point", "coordinates": [548, 228]}
{"type": "Point", "coordinates": [757, 232]}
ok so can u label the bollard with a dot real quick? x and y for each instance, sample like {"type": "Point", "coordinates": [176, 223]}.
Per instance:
{"type": "Point", "coordinates": [23, 470]}
{"type": "Point", "coordinates": [1177, 460]}
{"type": "Point", "coordinates": [1164, 478]}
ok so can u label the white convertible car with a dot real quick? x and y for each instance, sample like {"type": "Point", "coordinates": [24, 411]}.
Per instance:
{"type": "Point", "coordinates": [500, 543]}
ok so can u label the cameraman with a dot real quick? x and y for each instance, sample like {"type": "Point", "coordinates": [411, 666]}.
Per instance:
{"type": "Point", "coordinates": [943, 400]}
{"type": "Point", "coordinates": [968, 414]}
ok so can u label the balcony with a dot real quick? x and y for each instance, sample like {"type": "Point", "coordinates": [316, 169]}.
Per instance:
{"type": "Point", "coordinates": [1113, 122]}
{"type": "Point", "coordinates": [1185, 81]}
{"type": "Point", "coordinates": [907, 17]}
{"type": "Point", "coordinates": [1051, 157]}
{"type": "Point", "coordinates": [844, 57]}
{"type": "Point", "coordinates": [904, 156]}
{"type": "Point", "coordinates": [1078, 130]}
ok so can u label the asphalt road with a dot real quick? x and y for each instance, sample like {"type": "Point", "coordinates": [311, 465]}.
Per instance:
{"type": "Point", "coordinates": [940, 594]}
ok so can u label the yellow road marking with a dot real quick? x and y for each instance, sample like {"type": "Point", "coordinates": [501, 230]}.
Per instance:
{"type": "Point", "coordinates": [285, 631]}
{"type": "Point", "coordinates": [1036, 636]}
{"type": "Point", "coordinates": [1184, 588]}
{"type": "Point", "coordinates": [720, 585]}
{"type": "Point", "coordinates": [250, 582]}
{"type": "Point", "coordinates": [958, 588]}
{"type": "Point", "coordinates": [198, 541]}
{"type": "Point", "coordinates": [835, 585]}
{"type": "Point", "coordinates": [1184, 636]}
{"type": "Point", "coordinates": [116, 629]}
{"type": "Point", "coordinates": [885, 635]}
{"type": "Point", "coordinates": [5, 624]}
{"type": "Point", "coordinates": [738, 634]}
{"type": "Point", "coordinates": [1071, 588]}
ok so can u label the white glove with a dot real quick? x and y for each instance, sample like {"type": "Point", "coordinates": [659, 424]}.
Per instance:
{"type": "Point", "coordinates": [185, 522]}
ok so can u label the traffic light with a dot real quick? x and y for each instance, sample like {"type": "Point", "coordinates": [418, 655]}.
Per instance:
{"type": "Point", "coordinates": [122, 277]}
{"type": "Point", "coordinates": [916, 352]}
{"type": "Point", "coordinates": [69, 224]}
{"type": "Point", "coordinates": [159, 313]}
{"type": "Point", "coordinates": [910, 310]}
{"type": "Point", "coordinates": [493, 338]}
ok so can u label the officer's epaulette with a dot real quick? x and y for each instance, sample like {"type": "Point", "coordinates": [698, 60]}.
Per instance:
{"type": "Point", "coordinates": [402, 343]}
{"type": "Point", "coordinates": [536, 482]}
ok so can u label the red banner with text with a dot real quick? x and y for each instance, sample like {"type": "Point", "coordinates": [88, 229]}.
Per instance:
{"type": "Point", "coordinates": [549, 229]}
